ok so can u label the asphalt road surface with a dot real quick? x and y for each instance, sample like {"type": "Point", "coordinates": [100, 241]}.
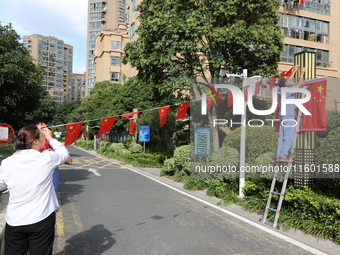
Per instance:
{"type": "Point", "coordinates": [108, 209]}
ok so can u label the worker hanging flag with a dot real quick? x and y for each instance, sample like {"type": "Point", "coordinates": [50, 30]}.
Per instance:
{"type": "Point", "coordinates": [286, 74]}
{"type": "Point", "coordinates": [271, 82]}
{"type": "Point", "coordinates": [316, 106]}
{"type": "Point", "coordinates": [72, 132]}
{"type": "Point", "coordinates": [132, 126]}
{"type": "Point", "coordinates": [182, 110]}
{"type": "Point", "coordinates": [230, 98]}
{"type": "Point", "coordinates": [106, 125]}
{"type": "Point", "coordinates": [258, 87]}
{"type": "Point", "coordinates": [163, 114]}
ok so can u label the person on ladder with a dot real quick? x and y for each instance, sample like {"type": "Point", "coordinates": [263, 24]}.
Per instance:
{"type": "Point", "coordinates": [286, 132]}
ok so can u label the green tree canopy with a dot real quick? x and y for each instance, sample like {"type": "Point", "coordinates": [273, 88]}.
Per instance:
{"type": "Point", "coordinates": [192, 37]}
{"type": "Point", "coordinates": [20, 79]}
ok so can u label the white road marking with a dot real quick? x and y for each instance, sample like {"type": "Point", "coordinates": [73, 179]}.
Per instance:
{"type": "Point", "coordinates": [95, 172]}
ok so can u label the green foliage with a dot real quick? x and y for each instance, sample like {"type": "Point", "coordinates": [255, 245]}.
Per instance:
{"type": "Point", "coordinates": [116, 147]}
{"type": "Point", "coordinates": [195, 184]}
{"type": "Point", "coordinates": [182, 157]}
{"type": "Point", "coordinates": [6, 150]}
{"type": "Point", "coordinates": [329, 151]}
{"type": "Point", "coordinates": [168, 167]}
{"type": "Point", "coordinates": [136, 148]}
{"type": "Point", "coordinates": [333, 121]}
{"type": "Point", "coordinates": [259, 140]}
{"type": "Point", "coordinates": [20, 80]}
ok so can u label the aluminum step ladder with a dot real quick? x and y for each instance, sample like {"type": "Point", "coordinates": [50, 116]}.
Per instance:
{"type": "Point", "coordinates": [285, 177]}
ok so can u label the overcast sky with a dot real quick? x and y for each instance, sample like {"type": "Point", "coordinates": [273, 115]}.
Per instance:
{"type": "Point", "coordinates": [63, 19]}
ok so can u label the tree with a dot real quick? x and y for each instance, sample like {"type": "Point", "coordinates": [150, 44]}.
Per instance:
{"type": "Point", "coordinates": [199, 37]}
{"type": "Point", "coordinates": [20, 79]}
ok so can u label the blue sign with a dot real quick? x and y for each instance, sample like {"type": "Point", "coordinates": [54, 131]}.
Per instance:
{"type": "Point", "coordinates": [144, 133]}
{"type": "Point", "coordinates": [202, 141]}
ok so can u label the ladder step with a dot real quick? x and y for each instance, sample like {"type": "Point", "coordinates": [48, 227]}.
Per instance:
{"type": "Point", "coordinates": [271, 209]}
{"type": "Point", "coordinates": [277, 193]}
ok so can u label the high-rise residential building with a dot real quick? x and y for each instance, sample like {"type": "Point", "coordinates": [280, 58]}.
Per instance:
{"type": "Point", "coordinates": [56, 58]}
{"type": "Point", "coordinates": [111, 24]}
{"type": "Point", "coordinates": [77, 92]}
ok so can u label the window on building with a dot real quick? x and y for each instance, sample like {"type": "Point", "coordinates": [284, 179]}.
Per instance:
{"type": "Point", "coordinates": [91, 63]}
{"type": "Point", "coordinates": [114, 76]}
{"type": "Point", "coordinates": [90, 82]}
{"type": "Point", "coordinates": [133, 5]}
{"type": "Point", "coordinates": [96, 25]}
{"type": "Point", "coordinates": [132, 31]}
{"type": "Point", "coordinates": [115, 61]}
{"type": "Point", "coordinates": [322, 56]}
{"type": "Point", "coordinates": [92, 53]}
{"type": "Point", "coordinates": [115, 45]}
{"type": "Point", "coordinates": [97, 6]}
{"type": "Point", "coordinates": [93, 34]}
{"type": "Point", "coordinates": [91, 72]}
{"type": "Point", "coordinates": [92, 44]}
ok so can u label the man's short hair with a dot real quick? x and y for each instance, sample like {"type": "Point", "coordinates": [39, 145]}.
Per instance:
{"type": "Point", "coordinates": [282, 82]}
{"type": "Point", "coordinates": [36, 121]}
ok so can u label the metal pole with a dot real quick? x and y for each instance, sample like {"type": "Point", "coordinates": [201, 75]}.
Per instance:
{"type": "Point", "coordinates": [243, 142]}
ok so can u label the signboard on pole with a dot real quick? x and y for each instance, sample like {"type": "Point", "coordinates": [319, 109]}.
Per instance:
{"type": "Point", "coordinates": [6, 133]}
{"type": "Point", "coordinates": [144, 133]}
{"type": "Point", "coordinates": [202, 141]}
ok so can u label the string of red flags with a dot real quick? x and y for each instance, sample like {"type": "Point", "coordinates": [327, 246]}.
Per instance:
{"type": "Point", "coordinates": [106, 125]}
{"type": "Point", "coordinates": [163, 114]}
{"type": "Point", "coordinates": [72, 133]}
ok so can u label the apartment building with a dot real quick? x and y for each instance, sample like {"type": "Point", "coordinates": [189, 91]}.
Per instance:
{"type": "Point", "coordinates": [56, 57]}
{"type": "Point", "coordinates": [78, 89]}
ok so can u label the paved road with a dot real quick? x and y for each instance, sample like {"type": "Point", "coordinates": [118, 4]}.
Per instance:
{"type": "Point", "coordinates": [113, 210]}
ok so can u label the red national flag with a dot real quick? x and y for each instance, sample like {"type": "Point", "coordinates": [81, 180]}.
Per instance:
{"type": "Point", "coordinates": [182, 110]}
{"type": "Point", "coordinates": [106, 125]}
{"type": "Point", "coordinates": [316, 106]}
{"type": "Point", "coordinates": [302, 2]}
{"type": "Point", "coordinates": [286, 74]}
{"type": "Point", "coordinates": [131, 126]}
{"type": "Point", "coordinates": [245, 93]}
{"type": "Point", "coordinates": [163, 114]}
{"type": "Point", "coordinates": [230, 98]}
{"type": "Point", "coordinates": [72, 132]}
{"type": "Point", "coordinates": [271, 82]}
{"type": "Point", "coordinates": [209, 103]}
{"type": "Point", "coordinates": [130, 114]}
{"type": "Point", "coordinates": [257, 87]}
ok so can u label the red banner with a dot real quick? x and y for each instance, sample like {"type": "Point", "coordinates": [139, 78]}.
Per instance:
{"type": "Point", "coordinates": [163, 114]}
{"type": "Point", "coordinates": [72, 132]}
{"type": "Point", "coordinates": [245, 93]}
{"type": "Point", "coordinates": [230, 98]}
{"type": "Point", "coordinates": [182, 110]}
{"type": "Point", "coordinates": [130, 114]}
{"type": "Point", "coordinates": [132, 127]}
{"type": "Point", "coordinates": [316, 106]}
{"type": "Point", "coordinates": [271, 82]}
{"type": "Point", "coordinates": [106, 125]}
{"type": "Point", "coordinates": [257, 88]}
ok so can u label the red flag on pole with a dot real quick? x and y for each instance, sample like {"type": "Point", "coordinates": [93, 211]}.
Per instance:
{"type": "Point", "coordinates": [106, 125]}
{"type": "Point", "coordinates": [230, 98]}
{"type": "Point", "coordinates": [209, 103]}
{"type": "Point", "coordinates": [271, 82]}
{"type": "Point", "coordinates": [163, 114]}
{"type": "Point", "coordinates": [316, 106]}
{"type": "Point", "coordinates": [182, 110]}
{"type": "Point", "coordinates": [131, 126]}
{"type": "Point", "coordinates": [245, 93]}
{"type": "Point", "coordinates": [257, 88]}
{"type": "Point", "coordinates": [72, 132]}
